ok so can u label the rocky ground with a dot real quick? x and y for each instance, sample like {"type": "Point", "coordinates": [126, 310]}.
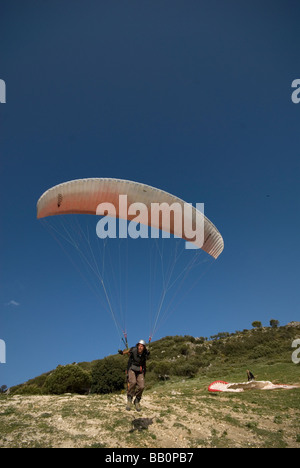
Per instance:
{"type": "Point", "coordinates": [172, 417]}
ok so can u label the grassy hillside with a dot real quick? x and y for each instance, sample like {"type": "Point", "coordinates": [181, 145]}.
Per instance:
{"type": "Point", "coordinates": [222, 356]}
{"type": "Point", "coordinates": [177, 409]}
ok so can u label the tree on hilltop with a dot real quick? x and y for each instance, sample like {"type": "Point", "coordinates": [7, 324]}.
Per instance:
{"type": "Point", "coordinates": [256, 324]}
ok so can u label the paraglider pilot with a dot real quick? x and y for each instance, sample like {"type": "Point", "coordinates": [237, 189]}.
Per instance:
{"type": "Point", "coordinates": [136, 371]}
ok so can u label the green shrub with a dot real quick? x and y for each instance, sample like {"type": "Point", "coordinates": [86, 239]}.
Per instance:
{"type": "Point", "coordinates": [184, 350]}
{"type": "Point", "coordinates": [108, 375]}
{"type": "Point", "coordinates": [160, 368]}
{"type": "Point", "coordinates": [29, 390]}
{"type": "Point", "coordinates": [68, 379]}
{"type": "Point", "coordinates": [185, 369]}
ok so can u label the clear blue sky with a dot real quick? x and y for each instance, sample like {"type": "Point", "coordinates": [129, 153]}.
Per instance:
{"type": "Point", "coordinates": [193, 97]}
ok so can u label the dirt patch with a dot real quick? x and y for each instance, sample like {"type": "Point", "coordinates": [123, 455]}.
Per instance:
{"type": "Point", "coordinates": [176, 420]}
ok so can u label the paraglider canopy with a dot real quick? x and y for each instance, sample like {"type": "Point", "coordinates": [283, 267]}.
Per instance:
{"type": "Point", "coordinates": [136, 204]}
{"type": "Point", "coordinates": [83, 196]}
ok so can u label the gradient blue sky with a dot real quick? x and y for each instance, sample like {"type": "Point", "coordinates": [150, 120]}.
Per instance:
{"type": "Point", "coordinates": [191, 96]}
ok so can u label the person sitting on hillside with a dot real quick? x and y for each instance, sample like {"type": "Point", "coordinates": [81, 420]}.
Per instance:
{"type": "Point", "coordinates": [136, 371]}
{"type": "Point", "coordinates": [250, 376]}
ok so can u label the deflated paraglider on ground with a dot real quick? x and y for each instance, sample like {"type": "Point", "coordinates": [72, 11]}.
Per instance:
{"type": "Point", "coordinates": [221, 386]}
